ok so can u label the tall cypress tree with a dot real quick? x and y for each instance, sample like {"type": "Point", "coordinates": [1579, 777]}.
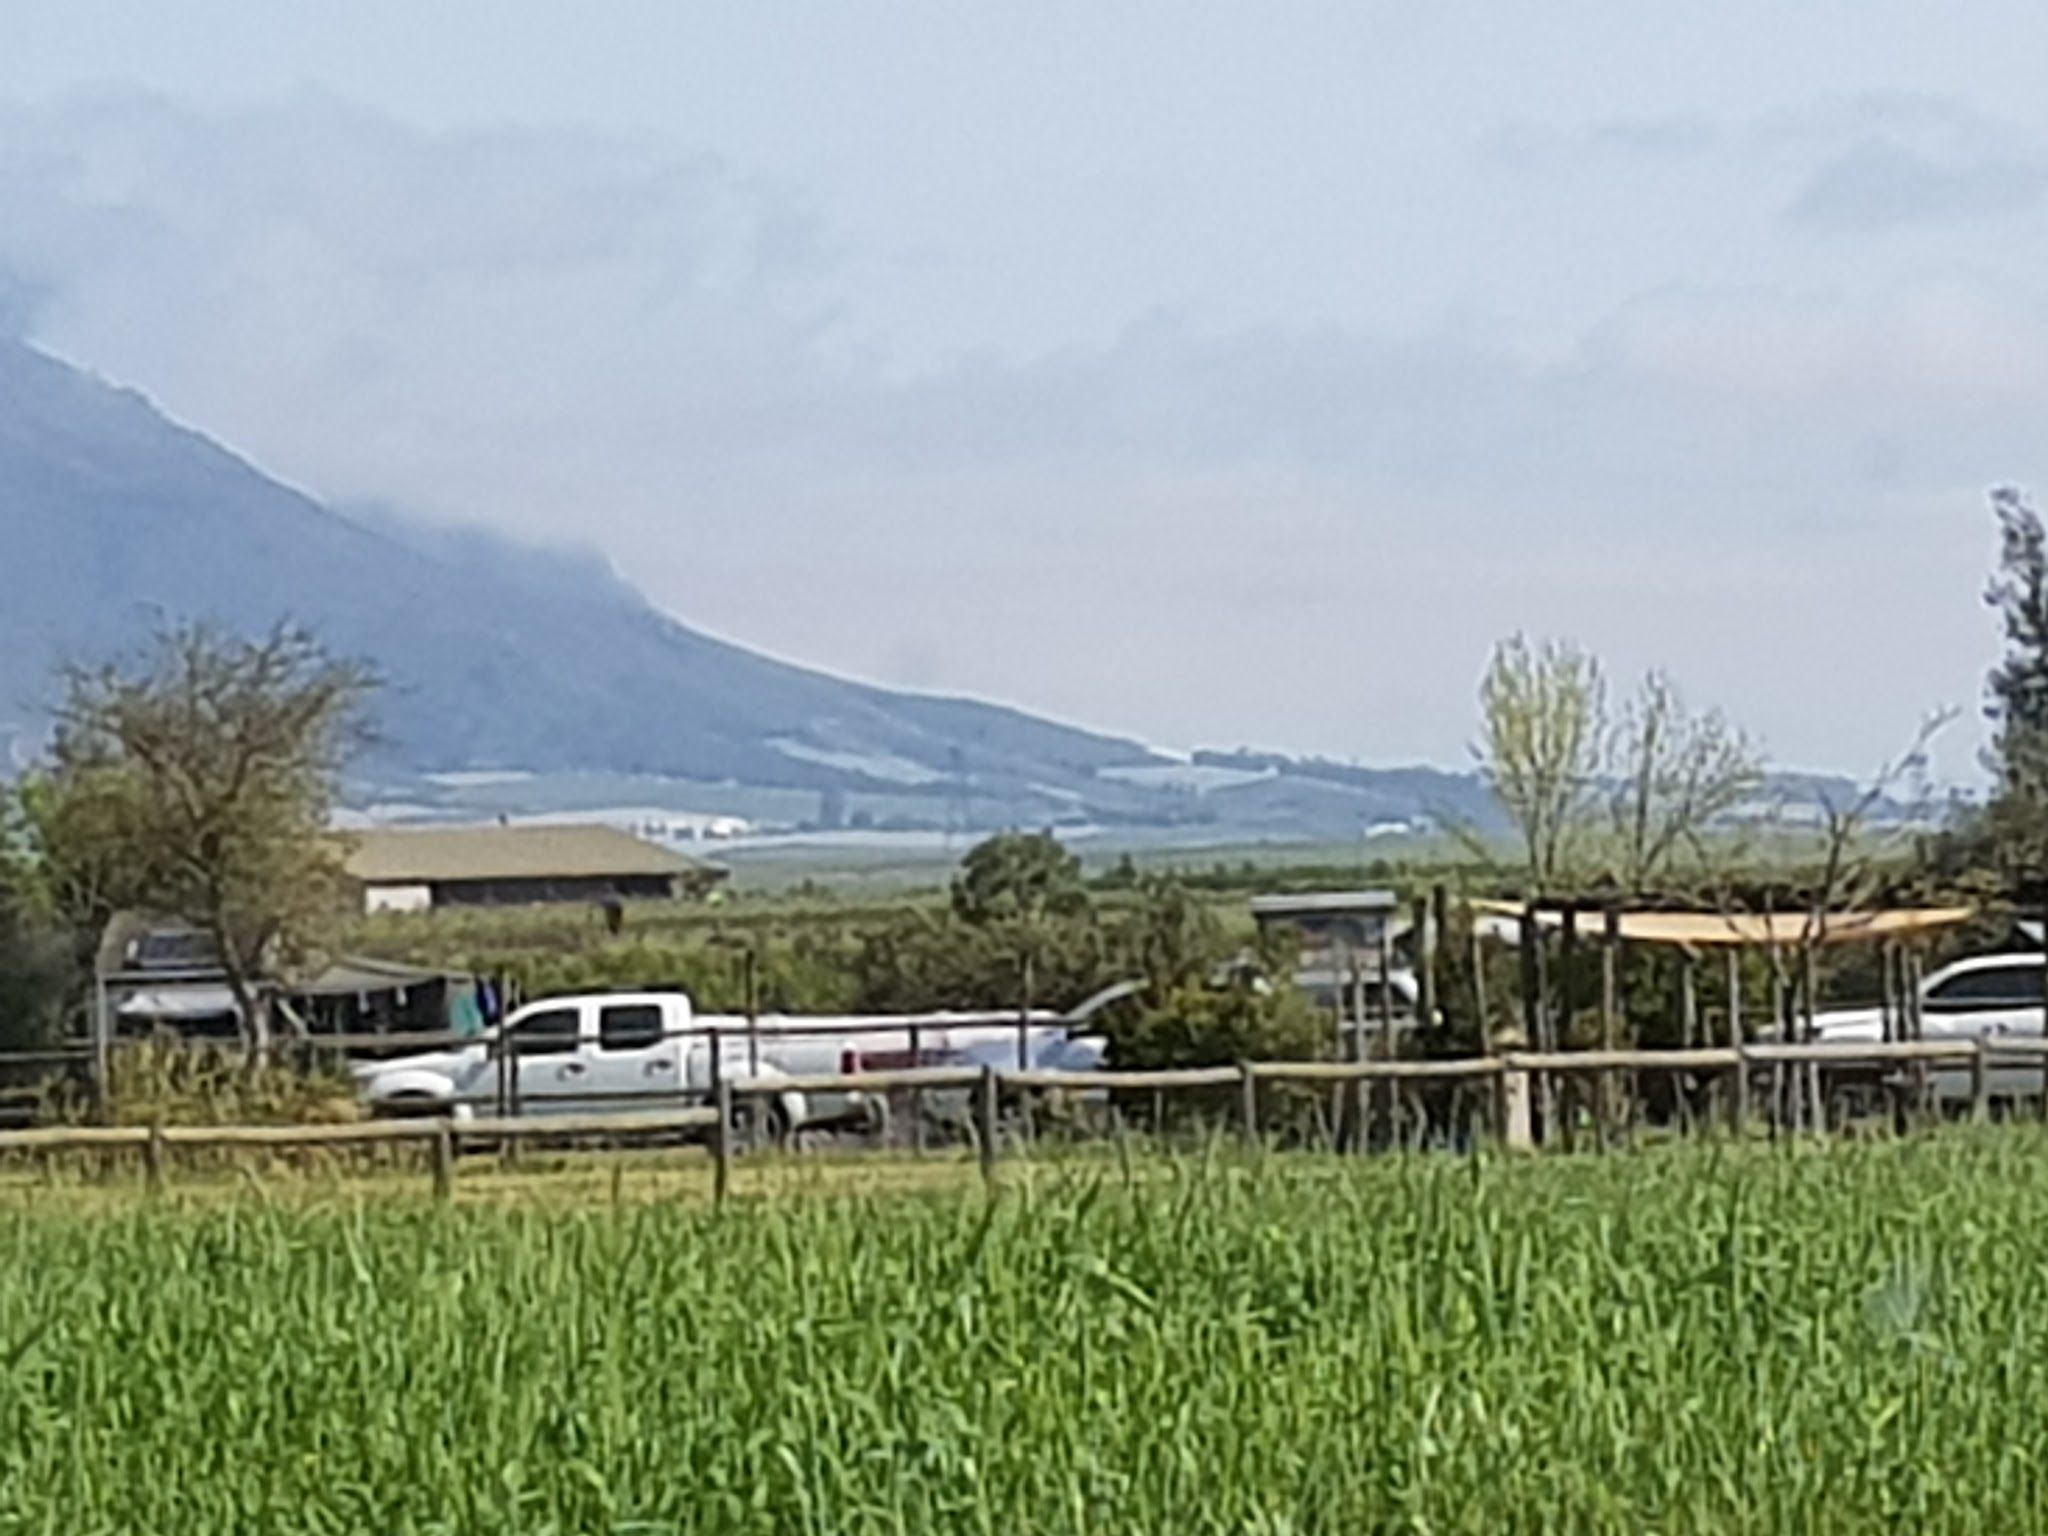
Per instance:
{"type": "Point", "coordinates": [2018, 686]}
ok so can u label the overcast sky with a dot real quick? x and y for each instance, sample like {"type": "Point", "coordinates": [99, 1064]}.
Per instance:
{"type": "Point", "coordinates": [1217, 373]}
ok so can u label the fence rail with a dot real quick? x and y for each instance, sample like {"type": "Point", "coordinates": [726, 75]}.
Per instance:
{"type": "Point", "coordinates": [1505, 1075]}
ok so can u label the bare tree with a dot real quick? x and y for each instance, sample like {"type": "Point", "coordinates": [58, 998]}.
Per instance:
{"type": "Point", "coordinates": [1672, 776]}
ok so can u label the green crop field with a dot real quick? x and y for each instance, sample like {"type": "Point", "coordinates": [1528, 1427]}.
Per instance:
{"type": "Point", "coordinates": [1850, 1338]}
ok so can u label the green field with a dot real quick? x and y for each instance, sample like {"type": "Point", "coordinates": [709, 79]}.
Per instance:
{"type": "Point", "coordinates": [1849, 1338]}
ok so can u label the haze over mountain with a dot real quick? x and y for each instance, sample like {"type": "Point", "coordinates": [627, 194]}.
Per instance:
{"type": "Point", "coordinates": [497, 655]}
{"type": "Point", "coordinates": [500, 656]}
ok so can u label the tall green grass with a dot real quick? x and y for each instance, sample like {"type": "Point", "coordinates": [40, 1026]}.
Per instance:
{"type": "Point", "coordinates": [1691, 1339]}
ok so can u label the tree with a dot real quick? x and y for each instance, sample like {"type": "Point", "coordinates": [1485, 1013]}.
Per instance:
{"type": "Point", "coordinates": [1543, 724]}
{"type": "Point", "coordinates": [197, 780]}
{"type": "Point", "coordinates": [1592, 799]}
{"type": "Point", "coordinates": [1019, 876]}
{"type": "Point", "coordinates": [2018, 685]}
{"type": "Point", "coordinates": [2014, 828]}
{"type": "Point", "coordinates": [1171, 937]}
{"type": "Point", "coordinates": [1671, 776]}
{"type": "Point", "coordinates": [35, 965]}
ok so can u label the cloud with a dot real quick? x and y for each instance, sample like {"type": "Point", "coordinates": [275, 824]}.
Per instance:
{"type": "Point", "coordinates": [1878, 185]}
{"type": "Point", "coordinates": [1652, 140]}
{"type": "Point", "coordinates": [1297, 533]}
{"type": "Point", "coordinates": [1895, 161]}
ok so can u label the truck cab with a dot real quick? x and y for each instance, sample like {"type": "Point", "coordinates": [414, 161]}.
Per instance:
{"type": "Point", "coordinates": [563, 1054]}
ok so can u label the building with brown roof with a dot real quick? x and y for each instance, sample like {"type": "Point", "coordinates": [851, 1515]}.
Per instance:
{"type": "Point", "coordinates": [410, 869]}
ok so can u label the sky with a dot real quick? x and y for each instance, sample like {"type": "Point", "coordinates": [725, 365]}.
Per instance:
{"type": "Point", "coordinates": [1223, 374]}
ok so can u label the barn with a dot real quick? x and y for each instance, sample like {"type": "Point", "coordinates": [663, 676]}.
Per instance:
{"type": "Point", "coordinates": [412, 869]}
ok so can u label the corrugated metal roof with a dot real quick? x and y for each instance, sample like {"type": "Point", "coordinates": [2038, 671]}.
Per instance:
{"type": "Point", "coordinates": [429, 855]}
{"type": "Point", "coordinates": [1317, 903]}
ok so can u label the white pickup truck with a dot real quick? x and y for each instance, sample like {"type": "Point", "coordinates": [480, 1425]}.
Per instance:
{"type": "Point", "coordinates": [621, 1050]}
{"type": "Point", "coordinates": [1990, 997]}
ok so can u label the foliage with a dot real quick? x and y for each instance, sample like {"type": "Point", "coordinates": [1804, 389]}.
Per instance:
{"type": "Point", "coordinates": [197, 781]}
{"type": "Point", "coordinates": [173, 1083]}
{"type": "Point", "coordinates": [36, 974]}
{"type": "Point", "coordinates": [928, 960]}
{"type": "Point", "coordinates": [1542, 715]}
{"type": "Point", "coordinates": [1672, 775]}
{"type": "Point", "coordinates": [2018, 685]}
{"type": "Point", "coordinates": [2008, 838]}
{"type": "Point", "coordinates": [1019, 877]}
{"type": "Point", "coordinates": [1620, 803]}
{"type": "Point", "coordinates": [1200, 1026]}
{"type": "Point", "coordinates": [1684, 1340]}
{"type": "Point", "coordinates": [1171, 937]}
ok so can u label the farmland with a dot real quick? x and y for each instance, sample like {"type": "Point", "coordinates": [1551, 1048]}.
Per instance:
{"type": "Point", "coordinates": [1689, 1338]}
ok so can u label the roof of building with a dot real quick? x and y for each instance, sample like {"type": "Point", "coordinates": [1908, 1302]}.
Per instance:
{"type": "Point", "coordinates": [1320, 903]}
{"type": "Point", "coordinates": [430, 855]}
{"type": "Point", "coordinates": [1703, 929]}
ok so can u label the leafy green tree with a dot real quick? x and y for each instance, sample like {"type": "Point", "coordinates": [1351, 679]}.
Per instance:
{"type": "Point", "coordinates": [197, 780]}
{"type": "Point", "coordinates": [37, 978]}
{"type": "Point", "coordinates": [2012, 834]}
{"type": "Point", "coordinates": [924, 960]}
{"type": "Point", "coordinates": [1171, 937]}
{"type": "Point", "coordinates": [1025, 877]}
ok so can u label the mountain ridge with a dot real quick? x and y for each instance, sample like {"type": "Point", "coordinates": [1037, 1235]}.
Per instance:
{"type": "Point", "coordinates": [499, 656]}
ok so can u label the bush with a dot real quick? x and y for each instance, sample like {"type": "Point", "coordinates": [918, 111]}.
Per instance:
{"type": "Point", "coordinates": [161, 1083]}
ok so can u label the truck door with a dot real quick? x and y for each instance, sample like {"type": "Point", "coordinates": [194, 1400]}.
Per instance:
{"type": "Point", "coordinates": [635, 1058]}
{"type": "Point", "coordinates": [548, 1059]}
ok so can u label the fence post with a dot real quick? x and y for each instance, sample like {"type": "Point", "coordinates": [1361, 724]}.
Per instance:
{"type": "Point", "coordinates": [2043, 914]}
{"type": "Point", "coordinates": [1361, 1090]}
{"type": "Point", "coordinates": [444, 1160]}
{"type": "Point", "coordinates": [1425, 967]}
{"type": "Point", "coordinates": [1248, 1102]}
{"type": "Point", "coordinates": [1393, 1087]}
{"type": "Point", "coordinates": [1688, 1001]}
{"type": "Point", "coordinates": [985, 1123]}
{"type": "Point", "coordinates": [1024, 1017]}
{"type": "Point", "coordinates": [1809, 1005]}
{"type": "Point", "coordinates": [917, 1091]}
{"type": "Point", "coordinates": [1610, 1016]}
{"type": "Point", "coordinates": [1475, 962]}
{"type": "Point", "coordinates": [721, 1142]}
{"type": "Point", "coordinates": [1738, 1096]}
{"type": "Point", "coordinates": [1980, 1080]}
{"type": "Point", "coordinates": [1511, 1109]}
{"type": "Point", "coordinates": [153, 1159]}
{"type": "Point", "coordinates": [1439, 926]}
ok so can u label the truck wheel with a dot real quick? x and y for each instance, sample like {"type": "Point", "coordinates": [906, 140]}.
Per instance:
{"type": "Point", "coordinates": [761, 1124]}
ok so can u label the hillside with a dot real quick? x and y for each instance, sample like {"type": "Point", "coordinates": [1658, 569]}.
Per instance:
{"type": "Point", "coordinates": [498, 656]}
{"type": "Point", "coordinates": [536, 681]}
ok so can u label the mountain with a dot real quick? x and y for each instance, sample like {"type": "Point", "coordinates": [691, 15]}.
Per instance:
{"type": "Point", "coordinates": [497, 656]}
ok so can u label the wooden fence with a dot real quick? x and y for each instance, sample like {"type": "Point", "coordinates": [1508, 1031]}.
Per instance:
{"type": "Point", "coordinates": [1508, 1080]}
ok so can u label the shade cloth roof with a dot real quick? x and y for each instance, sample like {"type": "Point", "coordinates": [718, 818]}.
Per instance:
{"type": "Point", "coordinates": [1702, 929]}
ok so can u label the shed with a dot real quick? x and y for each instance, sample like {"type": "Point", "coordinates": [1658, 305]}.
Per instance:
{"type": "Point", "coordinates": [1339, 937]}
{"type": "Point", "coordinates": [159, 974]}
{"type": "Point", "coordinates": [414, 868]}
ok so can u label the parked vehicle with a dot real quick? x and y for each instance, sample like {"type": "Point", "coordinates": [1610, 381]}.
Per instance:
{"type": "Point", "coordinates": [1987, 997]}
{"type": "Point", "coordinates": [619, 1050]}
